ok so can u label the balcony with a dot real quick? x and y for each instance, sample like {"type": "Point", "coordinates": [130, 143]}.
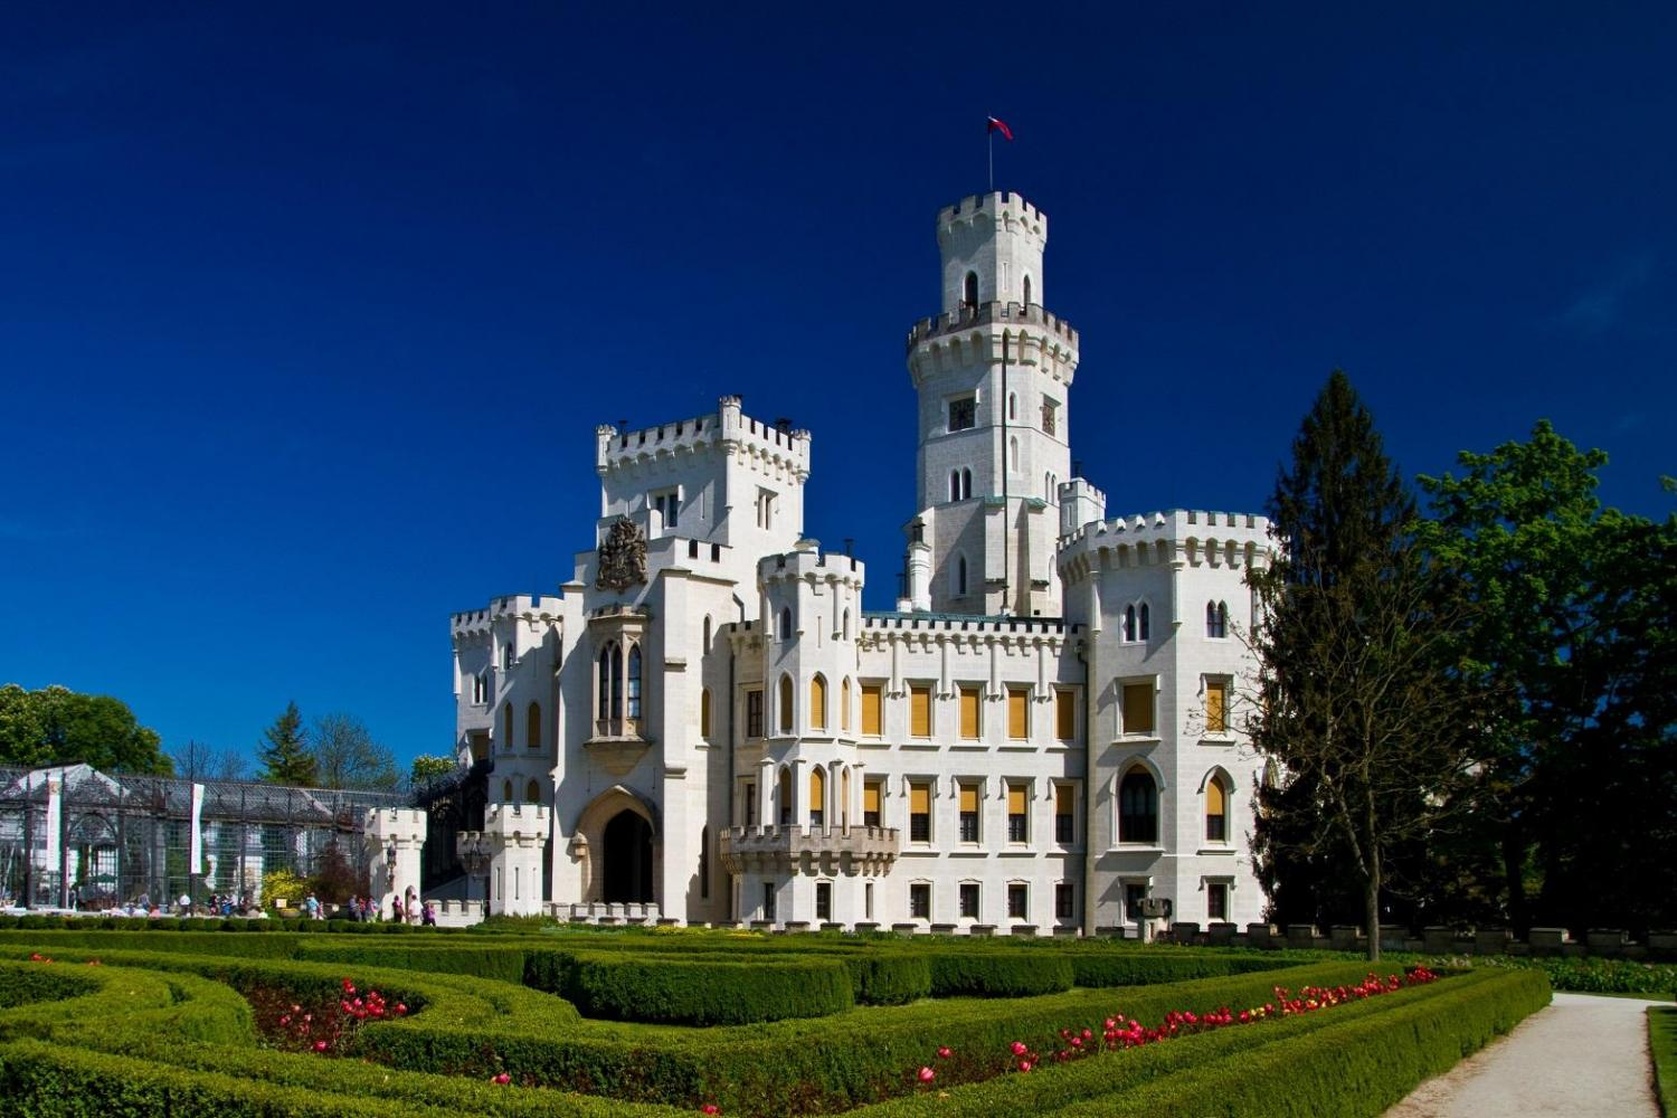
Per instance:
{"type": "Point", "coordinates": [617, 745]}
{"type": "Point", "coordinates": [824, 851]}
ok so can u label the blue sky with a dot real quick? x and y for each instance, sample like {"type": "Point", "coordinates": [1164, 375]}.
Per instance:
{"type": "Point", "coordinates": [307, 316]}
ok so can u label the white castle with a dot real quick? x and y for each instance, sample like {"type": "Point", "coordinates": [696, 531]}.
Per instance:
{"type": "Point", "coordinates": [1041, 739]}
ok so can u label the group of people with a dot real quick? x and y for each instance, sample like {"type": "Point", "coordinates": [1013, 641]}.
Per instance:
{"type": "Point", "coordinates": [408, 909]}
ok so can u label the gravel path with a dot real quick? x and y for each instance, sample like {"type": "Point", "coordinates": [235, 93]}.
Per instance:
{"type": "Point", "coordinates": [1581, 1056]}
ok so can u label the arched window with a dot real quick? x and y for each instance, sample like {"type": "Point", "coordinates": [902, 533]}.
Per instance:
{"type": "Point", "coordinates": [1027, 291]}
{"type": "Point", "coordinates": [847, 623]}
{"type": "Point", "coordinates": [608, 713]}
{"type": "Point", "coordinates": [1013, 453]}
{"type": "Point", "coordinates": [506, 727]}
{"type": "Point", "coordinates": [1138, 807]}
{"type": "Point", "coordinates": [1129, 623]}
{"type": "Point", "coordinates": [960, 575]}
{"type": "Point", "coordinates": [704, 714]}
{"type": "Point", "coordinates": [532, 792]}
{"type": "Point", "coordinates": [1012, 405]}
{"type": "Point", "coordinates": [785, 704]}
{"type": "Point", "coordinates": [634, 708]}
{"type": "Point", "coordinates": [818, 702]}
{"type": "Point", "coordinates": [786, 623]}
{"type": "Point", "coordinates": [844, 698]}
{"type": "Point", "coordinates": [506, 791]}
{"type": "Point", "coordinates": [704, 862]}
{"type": "Point", "coordinates": [817, 796]}
{"type": "Point", "coordinates": [706, 646]}
{"type": "Point", "coordinates": [1216, 619]}
{"type": "Point", "coordinates": [954, 485]}
{"type": "Point", "coordinates": [533, 726]}
{"type": "Point", "coordinates": [1216, 810]}
{"type": "Point", "coordinates": [1146, 622]}
{"type": "Point", "coordinates": [969, 290]}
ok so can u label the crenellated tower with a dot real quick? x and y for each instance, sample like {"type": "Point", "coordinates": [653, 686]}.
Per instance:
{"type": "Point", "coordinates": [993, 372]}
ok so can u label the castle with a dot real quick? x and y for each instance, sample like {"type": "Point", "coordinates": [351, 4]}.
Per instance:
{"type": "Point", "coordinates": [1042, 738]}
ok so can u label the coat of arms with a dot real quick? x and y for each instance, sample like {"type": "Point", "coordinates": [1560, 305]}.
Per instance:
{"type": "Point", "coordinates": [622, 557]}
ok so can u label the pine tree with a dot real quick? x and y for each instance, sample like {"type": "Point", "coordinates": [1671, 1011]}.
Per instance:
{"type": "Point", "coordinates": [1360, 707]}
{"type": "Point", "coordinates": [286, 758]}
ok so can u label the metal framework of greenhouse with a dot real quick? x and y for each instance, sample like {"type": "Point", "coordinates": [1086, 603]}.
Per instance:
{"type": "Point", "coordinates": [74, 837]}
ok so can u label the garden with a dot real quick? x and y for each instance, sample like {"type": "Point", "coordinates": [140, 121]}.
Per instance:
{"type": "Point", "coordinates": [217, 1016]}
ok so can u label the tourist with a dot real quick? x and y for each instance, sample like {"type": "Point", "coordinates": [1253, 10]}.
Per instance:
{"type": "Point", "coordinates": [430, 920]}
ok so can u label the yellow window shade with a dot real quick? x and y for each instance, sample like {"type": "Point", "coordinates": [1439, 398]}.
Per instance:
{"type": "Point", "coordinates": [969, 712]}
{"type": "Point", "coordinates": [1016, 799]}
{"type": "Point", "coordinates": [920, 712]}
{"type": "Point", "coordinates": [817, 789]}
{"type": "Point", "coordinates": [1216, 706]}
{"type": "Point", "coordinates": [920, 799]}
{"type": "Point", "coordinates": [844, 706]}
{"type": "Point", "coordinates": [873, 706]}
{"type": "Point", "coordinates": [870, 797]}
{"type": "Point", "coordinates": [818, 703]}
{"type": "Point", "coordinates": [1214, 798]}
{"type": "Point", "coordinates": [1065, 715]}
{"type": "Point", "coordinates": [969, 798]}
{"type": "Point", "coordinates": [1018, 713]}
{"type": "Point", "coordinates": [1138, 708]}
{"type": "Point", "coordinates": [1062, 799]}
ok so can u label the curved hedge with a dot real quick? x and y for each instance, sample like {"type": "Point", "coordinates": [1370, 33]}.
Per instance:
{"type": "Point", "coordinates": [706, 992]}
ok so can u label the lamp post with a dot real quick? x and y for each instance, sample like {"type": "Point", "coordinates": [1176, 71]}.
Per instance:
{"type": "Point", "coordinates": [390, 856]}
{"type": "Point", "coordinates": [475, 851]}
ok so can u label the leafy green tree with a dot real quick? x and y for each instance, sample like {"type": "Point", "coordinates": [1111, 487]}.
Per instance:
{"type": "Point", "coordinates": [429, 767]}
{"type": "Point", "coordinates": [286, 758]}
{"type": "Point", "coordinates": [346, 756]}
{"type": "Point", "coordinates": [1360, 705]}
{"type": "Point", "coordinates": [1575, 626]}
{"type": "Point", "coordinates": [57, 726]}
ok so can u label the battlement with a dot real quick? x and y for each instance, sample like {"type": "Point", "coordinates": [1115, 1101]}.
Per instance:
{"type": "Point", "coordinates": [1000, 203]}
{"type": "Point", "coordinates": [986, 314]}
{"type": "Point", "coordinates": [1197, 531]}
{"type": "Point", "coordinates": [728, 426]}
{"type": "Point", "coordinates": [884, 622]}
{"type": "Point", "coordinates": [810, 562]}
{"type": "Point", "coordinates": [527, 607]}
{"type": "Point", "coordinates": [515, 821]}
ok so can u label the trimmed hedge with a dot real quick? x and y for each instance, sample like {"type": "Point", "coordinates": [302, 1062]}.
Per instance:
{"type": "Point", "coordinates": [28, 983]}
{"type": "Point", "coordinates": [705, 992]}
{"type": "Point", "coordinates": [120, 1002]}
{"type": "Point", "coordinates": [889, 979]}
{"type": "Point", "coordinates": [1359, 1067]}
{"type": "Point", "coordinates": [994, 974]}
{"type": "Point", "coordinates": [1136, 968]}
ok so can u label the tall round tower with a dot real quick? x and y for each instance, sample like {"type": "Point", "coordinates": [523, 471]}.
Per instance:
{"type": "Point", "coordinates": [993, 372]}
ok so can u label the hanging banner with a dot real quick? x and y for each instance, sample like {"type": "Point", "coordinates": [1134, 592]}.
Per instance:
{"type": "Point", "coordinates": [55, 820]}
{"type": "Point", "coordinates": [195, 853]}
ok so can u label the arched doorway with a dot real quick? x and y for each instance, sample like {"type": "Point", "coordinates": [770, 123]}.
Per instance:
{"type": "Point", "coordinates": [628, 858]}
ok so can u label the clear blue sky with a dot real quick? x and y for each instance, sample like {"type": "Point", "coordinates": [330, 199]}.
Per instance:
{"type": "Point", "coordinates": [307, 314]}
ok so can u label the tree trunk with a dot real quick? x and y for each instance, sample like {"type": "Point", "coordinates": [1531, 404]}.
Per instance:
{"type": "Point", "coordinates": [1373, 914]}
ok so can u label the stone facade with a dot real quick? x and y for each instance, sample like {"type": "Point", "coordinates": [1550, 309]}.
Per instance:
{"type": "Point", "coordinates": [1043, 735]}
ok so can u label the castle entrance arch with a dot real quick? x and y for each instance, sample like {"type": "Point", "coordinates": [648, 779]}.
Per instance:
{"type": "Point", "coordinates": [618, 844]}
{"type": "Point", "coordinates": [628, 858]}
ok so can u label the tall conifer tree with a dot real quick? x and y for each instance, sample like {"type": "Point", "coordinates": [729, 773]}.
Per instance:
{"type": "Point", "coordinates": [286, 758]}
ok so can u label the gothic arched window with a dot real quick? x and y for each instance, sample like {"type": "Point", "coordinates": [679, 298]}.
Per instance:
{"type": "Point", "coordinates": [634, 708]}
{"type": "Point", "coordinates": [969, 290]}
{"type": "Point", "coordinates": [1027, 291]}
{"type": "Point", "coordinates": [1138, 807]}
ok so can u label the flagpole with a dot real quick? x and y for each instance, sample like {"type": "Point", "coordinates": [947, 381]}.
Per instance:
{"type": "Point", "coordinates": [990, 138]}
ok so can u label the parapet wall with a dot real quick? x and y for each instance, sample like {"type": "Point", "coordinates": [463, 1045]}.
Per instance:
{"type": "Point", "coordinates": [526, 607]}
{"type": "Point", "coordinates": [728, 426]}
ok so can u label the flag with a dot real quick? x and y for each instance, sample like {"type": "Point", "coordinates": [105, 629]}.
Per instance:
{"type": "Point", "coordinates": [1000, 126]}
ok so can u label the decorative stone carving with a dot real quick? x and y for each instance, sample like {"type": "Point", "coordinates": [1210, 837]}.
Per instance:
{"type": "Point", "coordinates": [622, 557]}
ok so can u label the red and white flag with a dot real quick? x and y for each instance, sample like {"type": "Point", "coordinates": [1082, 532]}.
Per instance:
{"type": "Point", "coordinates": [1000, 126]}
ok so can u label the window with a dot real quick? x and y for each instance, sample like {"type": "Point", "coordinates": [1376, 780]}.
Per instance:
{"type": "Point", "coordinates": [1018, 901]}
{"type": "Point", "coordinates": [1138, 807]}
{"type": "Point", "coordinates": [920, 900]}
{"type": "Point", "coordinates": [867, 901]}
{"type": "Point", "coordinates": [873, 709]}
{"type": "Point", "coordinates": [1027, 291]}
{"type": "Point", "coordinates": [872, 792]}
{"type": "Point", "coordinates": [609, 701]}
{"type": "Point", "coordinates": [818, 702]}
{"type": "Point", "coordinates": [960, 484]}
{"type": "Point", "coordinates": [1216, 620]}
{"type": "Point", "coordinates": [969, 900]}
{"type": "Point", "coordinates": [1018, 813]}
{"type": "Point", "coordinates": [1129, 623]}
{"type": "Point", "coordinates": [765, 508]}
{"type": "Point", "coordinates": [1065, 714]}
{"type": "Point", "coordinates": [1216, 705]}
{"type": "Point", "coordinates": [1013, 454]}
{"type": "Point", "coordinates": [668, 506]}
{"type": "Point", "coordinates": [1146, 622]}
{"type": "Point", "coordinates": [705, 647]}
{"type": "Point", "coordinates": [533, 792]}
{"type": "Point", "coordinates": [919, 812]}
{"type": "Point", "coordinates": [1065, 814]}
{"type": "Point", "coordinates": [920, 710]}
{"type": "Point", "coordinates": [784, 697]}
{"type": "Point", "coordinates": [506, 657]}
{"type": "Point", "coordinates": [750, 804]}
{"type": "Point", "coordinates": [1217, 901]}
{"type": "Point", "coordinates": [1216, 811]}
{"type": "Point", "coordinates": [824, 900]}
{"type": "Point", "coordinates": [506, 791]}
{"type": "Point", "coordinates": [969, 290]}
{"type": "Point", "coordinates": [1018, 713]}
{"type": "Point", "coordinates": [506, 728]}
{"type": "Point", "coordinates": [704, 862]}
{"type": "Point", "coordinates": [704, 713]}
{"type": "Point", "coordinates": [1138, 708]}
{"type": "Point", "coordinates": [634, 708]}
{"type": "Point", "coordinates": [817, 797]}
{"type": "Point", "coordinates": [754, 713]}
{"type": "Point", "coordinates": [970, 706]}
{"type": "Point", "coordinates": [480, 688]}
{"type": "Point", "coordinates": [844, 701]}
{"type": "Point", "coordinates": [969, 813]}
{"type": "Point", "coordinates": [960, 576]}
{"type": "Point", "coordinates": [784, 631]}
{"type": "Point", "coordinates": [1012, 405]}
{"type": "Point", "coordinates": [1065, 901]}
{"type": "Point", "coordinates": [963, 414]}
{"type": "Point", "coordinates": [768, 900]}
{"type": "Point", "coordinates": [533, 726]}
{"type": "Point", "coordinates": [1134, 893]}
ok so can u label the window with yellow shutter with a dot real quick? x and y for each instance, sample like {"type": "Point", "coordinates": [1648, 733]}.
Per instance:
{"type": "Point", "coordinates": [818, 702]}
{"type": "Point", "coordinates": [1018, 813]}
{"type": "Point", "coordinates": [1216, 706]}
{"type": "Point", "coordinates": [969, 711]}
{"type": "Point", "coordinates": [873, 709]}
{"type": "Point", "coordinates": [1065, 818]}
{"type": "Point", "coordinates": [1138, 708]}
{"type": "Point", "coordinates": [919, 812]}
{"type": "Point", "coordinates": [1065, 714]}
{"type": "Point", "coordinates": [1018, 713]}
{"type": "Point", "coordinates": [920, 711]}
{"type": "Point", "coordinates": [969, 813]}
{"type": "Point", "coordinates": [871, 794]}
{"type": "Point", "coordinates": [844, 706]}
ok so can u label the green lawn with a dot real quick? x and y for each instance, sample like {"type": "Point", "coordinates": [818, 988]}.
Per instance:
{"type": "Point", "coordinates": [1662, 1041]}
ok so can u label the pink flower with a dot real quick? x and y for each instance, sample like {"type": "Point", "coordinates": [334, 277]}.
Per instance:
{"type": "Point", "coordinates": [943, 1052]}
{"type": "Point", "coordinates": [1019, 1048]}
{"type": "Point", "coordinates": [710, 1108]}
{"type": "Point", "coordinates": [320, 1046]}
{"type": "Point", "coordinates": [1024, 1065]}
{"type": "Point", "coordinates": [927, 1075]}
{"type": "Point", "coordinates": [502, 1080]}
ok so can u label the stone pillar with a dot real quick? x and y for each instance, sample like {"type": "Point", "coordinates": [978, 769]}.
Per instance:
{"type": "Point", "coordinates": [393, 828]}
{"type": "Point", "coordinates": [517, 833]}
